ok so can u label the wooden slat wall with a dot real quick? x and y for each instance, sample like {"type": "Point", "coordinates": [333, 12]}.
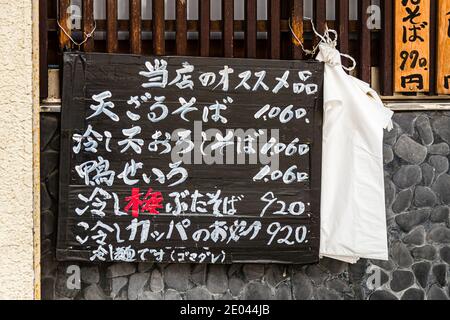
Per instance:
{"type": "Point", "coordinates": [273, 47]}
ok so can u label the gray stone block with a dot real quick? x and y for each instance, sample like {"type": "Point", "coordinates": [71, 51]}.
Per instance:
{"type": "Point", "coordinates": [172, 295]}
{"type": "Point", "coordinates": [415, 237]}
{"type": "Point", "coordinates": [217, 280]}
{"type": "Point", "coordinates": [439, 234]}
{"type": "Point", "coordinates": [440, 215]}
{"type": "Point", "coordinates": [90, 274]}
{"type": "Point", "coordinates": [403, 201]}
{"type": "Point", "coordinates": [445, 254]}
{"type": "Point", "coordinates": [236, 285]}
{"type": "Point", "coordinates": [441, 125]}
{"type": "Point", "coordinates": [388, 154]}
{"type": "Point", "coordinates": [120, 270]}
{"type": "Point", "coordinates": [253, 271]}
{"type": "Point", "coordinates": [440, 163]}
{"type": "Point", "coordinates": [137, 284]}
{"type": "Point", "coordinates": [442, 188]}
{"type": "Point", "coordinates": [257, 291]}
{"type": "Point", "coordinates": [198, 293]}
{"type": "Point", "coordinates": [436, 293]}
{"type": "Point", "coordinates": [424, 253]}
{"type": "Point", "coordinates": [401, 280]}
{"type": "Point", "coordinates": [440, 149]}
{"type": "Point", "coordinates": [413, 294]}
{"type": "Point", "coordinates": [94, 292]}
{"type": "Point", "coordinates": [410, 151]}
{"type": "Point", "coordinates": [409, 220]}
{"type": "Point", "coordinates": [176, 276]}
{"type": "Point", "coordinates": [440, 274]}
{"type": "Point", "coordinates": [407, 176]}
{"type": "Point", "coordinates": [302, 287]}
{"type": "Point", "coordinates": [117, 284]}
{"type": "Point", "coordinates": [424, 197]}
{"type": "Point", "coordinates": [422, 272]}
{"type": "Point", "coordinates": [382, 295]}
{"type": "Point", "coordinates": [156, 281]}
{"type": "Point", "coordinates": [423, 127]}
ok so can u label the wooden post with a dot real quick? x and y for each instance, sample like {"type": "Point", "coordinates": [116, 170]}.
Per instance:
{"type": "Point", "coordinates": [181, 27]}
{"type": "Point", "coordinates": [297, 26]}
{"type": "Point", "coordinates": [205, 12]}
{"type": "Point", "coordinates": [135, 26]}
{"type": "Point", "coordinates": [88, 24]}
{"type": "Point", "coordinates": [64, 41]}
{"type": "Point", "coordinates": [274, 29]}
{"type": "Point", "coordinates": [412, 46]}
{"type": "Point", "coordinates": [111, 26]}
{"type": "Point", "coordinates": [228, 27]}
{"type": "Point", "coordinates": [250, 28]}
{"type": "Point", "coordinates": [159, 46]}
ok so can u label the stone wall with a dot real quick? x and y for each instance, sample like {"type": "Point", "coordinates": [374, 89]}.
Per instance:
{"type": "Point", "coordinates": [418, 205]}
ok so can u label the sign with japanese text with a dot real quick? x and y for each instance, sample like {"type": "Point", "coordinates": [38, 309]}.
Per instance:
{"type": "Point", "coordinates": [190, 160]}
{"type": "Point", "coordinates": [443, 67]}
{"type": "Point", "coordinates": [412, 46]}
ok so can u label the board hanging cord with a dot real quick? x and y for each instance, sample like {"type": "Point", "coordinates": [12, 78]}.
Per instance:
{"type": "Point", "coordinates": [325, 38]}
{"type": "Point", "coordinates": [86, 37]}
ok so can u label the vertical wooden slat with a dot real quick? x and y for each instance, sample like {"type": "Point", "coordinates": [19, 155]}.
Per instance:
{"type": "Point", "coordinates": [250, 28]}
{"type": "Point", "coordinates": [364, 42]}
{"type": "Point", "coordinates": [274, 30]}
{"type": "Point", "coordinates": [43, 49]}
{"type": "Point", "coordinates": [181, 32]}
{"type": "Point", "coordinates": [297, 26]}
{"type": "Point", "coordinates": [228, 27]}
{"type": "Point", "coordinates": [135, 26]}
{"type": "Point", "coordinates": [88, 24]}
{"type": "Point", "coordinates": [111, 26]}
{"type": "Point", "coordinates": [433, 49]}
{"type": "Point", "coordinates": [159, 47]}
{"type": "Point", "coordinates": [342, 17]}
{"type": "Point", "coordinates": [320, 17]}
{"type": "Point", "coordinates": [387, 70]}
{"type": "Point", "coordinates": [204, 7]}
{"type": "Point", "coordinates": [64, 41]}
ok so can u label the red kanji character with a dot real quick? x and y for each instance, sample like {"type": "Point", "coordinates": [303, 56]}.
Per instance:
{"type": "Point", "coordinates": [150, 203]}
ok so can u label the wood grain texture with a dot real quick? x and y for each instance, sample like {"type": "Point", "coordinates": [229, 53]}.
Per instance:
{"type": "Point", "coordinates": [135, 26]}
{"type": "Point", "coordinates": [412, 47]}
{"type": "Point", "coordinates": [64, 41]}
{"type": "Point", "coordinates": [443, 48]}
{"type": "Point", "coordinates": [181, 32]}
{"type": "Point", "coordinates": [111, 26]}
{"type": "Point", "coordinates": [274, 16]}
{"type": "Point", "coordinates": [365, 42]}
{"type": "Point", "coordinates": [159, 43]}
{"type": "Point", "coordinates": [88, 24]}
{"type": "Point", "coordinates": [297, 27]}
{"type": "Point", "coordinates": [228, 28]}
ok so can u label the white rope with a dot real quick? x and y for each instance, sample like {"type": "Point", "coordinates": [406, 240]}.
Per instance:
{"type": "Point", "coordinates": [325, 38]}
{"type": "Point", "coordinates": [86, 35]}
